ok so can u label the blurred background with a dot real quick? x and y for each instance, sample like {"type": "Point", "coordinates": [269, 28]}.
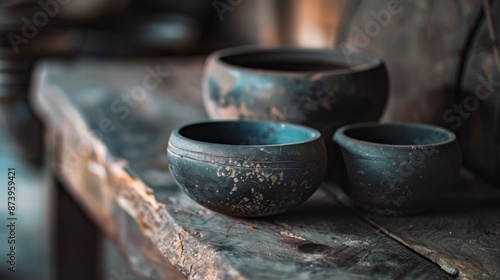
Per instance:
{"type": "Point", "coordinates": [437, 53]}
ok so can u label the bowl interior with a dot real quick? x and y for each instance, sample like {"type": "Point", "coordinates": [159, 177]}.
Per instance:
{"type": "Point", "coordinates": [248, 133]}
{"type": "Point", "coordinates": [401, 135]}
{"type": "Point", "coordinates": [294, 60]}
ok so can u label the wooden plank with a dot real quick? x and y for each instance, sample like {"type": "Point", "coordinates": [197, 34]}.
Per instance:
{"type": "Point", "coordinates": [125, 171]}
{"type": "Point", "coordinates": [462, 235]}
{"type": "Point", "coordinates": [318, 240]}
{"type": "Point", "coordinates": [75, 260]}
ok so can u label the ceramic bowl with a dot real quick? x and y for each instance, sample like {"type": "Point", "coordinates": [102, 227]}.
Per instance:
{"type": "Point", "coordinates": [321, 88]}
{"type": "Point", "coordinates": [398, 169]}
{"type": "Point", "coordinates": [247, 168]}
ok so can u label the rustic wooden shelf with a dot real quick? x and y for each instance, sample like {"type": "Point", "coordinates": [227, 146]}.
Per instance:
{"type": "Point", "coordinates": [110, 152]}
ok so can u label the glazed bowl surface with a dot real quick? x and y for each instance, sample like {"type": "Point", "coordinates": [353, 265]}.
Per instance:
{"type": "Point", "coordinates": [398, 168]}
{"type": "Point", "coordinates": [247, 168]}
{"type": "Point", "coordinates": [321, 88]}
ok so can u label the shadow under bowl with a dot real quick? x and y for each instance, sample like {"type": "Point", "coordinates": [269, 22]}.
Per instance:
{"type": "Point", "coordinates": [398, 168]}
{"type": "Point", "coordinates": [247, 168]}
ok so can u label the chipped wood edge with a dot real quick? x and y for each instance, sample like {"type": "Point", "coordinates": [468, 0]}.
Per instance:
{"type": "Point", "coordinates": [193, 258]}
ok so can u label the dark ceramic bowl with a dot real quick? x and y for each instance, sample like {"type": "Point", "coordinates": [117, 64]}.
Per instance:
{"type": "Point", "coordinates": [398, 169]}
{"type": "Point", "coordinates": [247, 168]}
{"type": "Point", "coordinates": [321, 88]}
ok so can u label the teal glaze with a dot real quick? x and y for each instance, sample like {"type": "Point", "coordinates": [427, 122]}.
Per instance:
{"type": "Point", "coordinates": [247, 168]}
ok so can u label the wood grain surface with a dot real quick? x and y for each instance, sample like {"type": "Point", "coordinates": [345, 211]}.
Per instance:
{"type": "Point", "coordinates": [124, 170]}
{"type": "Point", "coordinates": [462, 235]}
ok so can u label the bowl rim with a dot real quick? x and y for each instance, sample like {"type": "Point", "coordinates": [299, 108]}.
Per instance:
{"type": "Point", "coordinates": [341, 138]}
{"type": "Point", "coordinates": [316, 135]}
{"type": "Point", "coordinates": [371, 61]}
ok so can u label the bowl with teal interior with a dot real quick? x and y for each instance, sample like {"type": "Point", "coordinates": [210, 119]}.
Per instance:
{"type": "Point", "coordinates": [398, 168]}
{"type": "Point", "coordinates": [247, 168]}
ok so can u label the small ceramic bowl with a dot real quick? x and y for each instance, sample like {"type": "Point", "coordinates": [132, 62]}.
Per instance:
{"type": "Point", "coordinates": [398, 169]}
{"type": "Point", "coordinates": [247, 168]}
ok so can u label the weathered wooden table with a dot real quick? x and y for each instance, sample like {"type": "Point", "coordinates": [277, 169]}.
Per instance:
{"type": "Point", "coordinates": [108, 124]}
